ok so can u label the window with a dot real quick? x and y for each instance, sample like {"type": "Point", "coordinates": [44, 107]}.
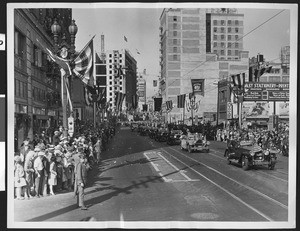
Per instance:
{"type": "Point", "coordinates": [222, 37]}
{"type": "Point", "coordinates": [175, 57]}
{"type": "Point", "coordinates": [215, 37]}
{"type": "Point", "coordinates": [236, 30]}
{"type": "Point", "coordinates": [236, 22]}
{"type": "Point", "coordinates": [120, 88]}
{"type": "Point", "coordinates": [175, 26]}
{"type": "Point", "coordinates": [19, 44]}
{"type": "Point", "coordinates": [229, 29]}
{"type": "Point", "coordinates": [236, 45]}
{"type": "Point", "coordinates": [215, 44]}
{"type": "Point", "coordinates": [110, 60]}
{"type": "Point", "coordinates": [236, 37]}
{"type": "Point", "coordinates": [175, 33]}
{"type": "Point", "coordinates": [175, 49]}
{"type": "Point", "coordinates": [175, 18]}
{"type": "Point", "coordinates": [229, 37]}
{"type": "Point", "coordinates": [229, 52]}
{"type": "Point", "coordinates": [215, 29]}
{"type": "Point", "coordinates": [222, 29]}
{"type": "Point", "coordinates": [229, 22]}
{"type": "Point", "coordinates": [110, 88]}
{"type": "Point", "coordinates": [110, 55]}
{"type": "Point", "coordinates": [110, 83]}
{"type": "Point", "coordinates": [222, 22]}
{"type": "Point", "coordinates": [222, 44]}
{"type": "Point", "coordinates": [215, 51]}
{"type": "Point", "coordinates": [110, 93]}
{"type": "Point", "coordinates": [174, 41]}
{"type": "Point", "coordinates": [229, 45]}
{"type": "Point", "coordinates": [236, 52]}
{"type": "Point", "coordinates": [215, 22]}
{"type": "Point", "coordinates": [222, 52]}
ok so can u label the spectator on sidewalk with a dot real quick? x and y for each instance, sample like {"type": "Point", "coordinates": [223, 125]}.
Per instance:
{"type": "Point", "coordinates": [29, 172]}
{"type": "Point", "coordinates": [39, 173]}
{"type": "Point", "coordinates": [20, 181]}
{"type": "Point", "coordinates": [52, 179]}
{"type": "Point", "coordinates": [81, 180]}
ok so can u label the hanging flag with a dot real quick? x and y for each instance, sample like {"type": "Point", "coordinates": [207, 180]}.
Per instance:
{"type": "Point", "coordinates": [122, 99]}
{"type": "Point", "coordinates": [145, 107]}
{"type": "Point", "coordinates": [125, 39]}
{"type": "Point", "coordinates": [157, 104]}
{"type": "Point", "coordinates": [198, 86]}
{"type": "Point", "coordinates": [134, 101]}
{"type": "Point", "coordinates": [180, 101]}
{"type": "Point", "coordinates": [169, 105]}
{"type": "Point", "coordinates": [117, 99]}
{"type": "Point", "coordinates": [62, 63]}
{"type": "Point", "coordinates": [83, 64]}
{"type": "Point", "coordinates": [238, 80]}
{"type": "Point", "coordinates": [154, 83]}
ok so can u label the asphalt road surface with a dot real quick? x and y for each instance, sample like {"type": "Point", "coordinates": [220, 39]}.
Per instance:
{"type": "Point", "coordinates": [140, 179]}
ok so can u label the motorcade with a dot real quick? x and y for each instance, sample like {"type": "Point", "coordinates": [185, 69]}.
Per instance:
{"type": "Point", "coordinates": [152, 131]}
{"type": "Point", "coordinates": [134, 126]}
{"type": "Point", "coordinates": [143, 130]}
{"type": "Point", "coordinates": [249, 154]}
{"type": "Point", "coordinates": [161, 135]}
{"type": "Point", "coordinates": [173, 137]}
{"type": "Point", "coordinates": [194, 142]}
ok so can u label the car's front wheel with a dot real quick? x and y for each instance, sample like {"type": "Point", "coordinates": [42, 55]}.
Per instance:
{"type": "Point", "coordinates": [227, 157]}
{"type": "Point", "coordinates": [245, 163]}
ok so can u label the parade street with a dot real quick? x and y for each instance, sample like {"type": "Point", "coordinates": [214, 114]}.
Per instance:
{"type": "Point", "coordinates": [139, 179]}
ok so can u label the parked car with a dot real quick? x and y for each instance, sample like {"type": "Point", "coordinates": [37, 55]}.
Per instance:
{"type": "Point", "coordinates": [174, 137]}
{"type": "Point", "coordinates": [249, 155]}
{"type": "Point", "coordinates": [194, 142]}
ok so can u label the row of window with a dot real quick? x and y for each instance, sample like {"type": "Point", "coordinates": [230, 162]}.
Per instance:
{"type": "Point", "coordinates": [223, 22]}
{"type": "Point", "coordinates": [229, 52]}
{"type": "Point", "coordinates": [229, 30]}
{"type": "Point", "coordinates": [21, 89]}
{"type": "Point", "coordinates": [38, 94]}
{"type": "Point", "coordinates": [229, 37]}
{"type": "Point", "coordinates": [229, 45]}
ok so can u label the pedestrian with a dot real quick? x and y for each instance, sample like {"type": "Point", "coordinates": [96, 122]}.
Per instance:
{"type": "Point", "coordinates": [52, 180]}
{"type": "Point", "coordinates": [98, 149]}
{"type": "Point", "coordinates": [81, 180]}
{"type": "Point", "coordinates": [39, 173]}
{"type": "Point", "coordinates": [20, 181]}
{"type": "Point", "coordinates": [55, 139]}
{"type": "Point", "coordinates": [29, 172]}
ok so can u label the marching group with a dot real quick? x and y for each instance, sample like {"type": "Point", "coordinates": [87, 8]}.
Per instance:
{"type": "Point", "coordinates": [48, 165]}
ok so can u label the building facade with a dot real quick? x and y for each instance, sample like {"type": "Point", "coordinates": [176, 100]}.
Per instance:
{"type": "Point", "coordinates": [125, 84]}
{"type": "Point", "coordinates": [193, 43]}
{"type": "Point", "coordinates": [141, 92]}
{"type": "Point", "coordinates": [37, 81]}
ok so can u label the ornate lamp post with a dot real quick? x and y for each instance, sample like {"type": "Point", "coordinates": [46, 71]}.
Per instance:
{"type": "Point", "coordinates": [66, 51]}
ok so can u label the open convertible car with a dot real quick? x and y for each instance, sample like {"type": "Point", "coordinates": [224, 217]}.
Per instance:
{"type": "Point", "coordinates": [249, 155]}
{"type": "Point", "coordinates": [194, 142]}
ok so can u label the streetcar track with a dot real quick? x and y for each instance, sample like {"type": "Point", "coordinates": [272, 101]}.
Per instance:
{"type": "Point", "coordinates": [223, 189]}
{"type": "Point", "coordinates": [229, 178]}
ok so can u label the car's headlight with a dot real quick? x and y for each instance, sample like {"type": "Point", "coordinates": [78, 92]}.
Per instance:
{"type": "Point", "coordinates": [252, 153]}
{"type": "Point", "coordinates": [267, 152]}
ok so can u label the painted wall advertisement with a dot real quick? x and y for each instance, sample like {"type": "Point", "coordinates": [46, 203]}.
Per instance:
{"type": "Point", "coordinates": [263, 109]}
{"type": "Point", "coordinates": [266, 91]}
{"type": "Point", "coordinates": [257, 110]}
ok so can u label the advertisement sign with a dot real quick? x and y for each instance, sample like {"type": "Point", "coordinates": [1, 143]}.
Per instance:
{"type": "Point", "coordinates": [229, 110]}
{"type": "Point", "coordinates": [71, 126]}
{"type": "Point", "coordinates": [198, 86]}
{"type": "Point", "coordinates": [282, 109]}
{"type": "Point", "coordinates": [257, 110]}
{"type": "Point", "coordinates": [263, 91]}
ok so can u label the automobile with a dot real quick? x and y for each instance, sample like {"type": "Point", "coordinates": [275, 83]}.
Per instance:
{"type": "Point", "coordinates": [194, 142]}
{"type": "Point", "coordinates": [161, 135]}
{"type": "Point", "coordinates": [152, 132]}
{"type": "Point", "coordinates": [134, 126]}
{"type": "Point", "coordinates": [143, 130]}
{"type": "Point", "coordinates": [174, 137]}
{"type": "Point", "coordinates": [249, 154]}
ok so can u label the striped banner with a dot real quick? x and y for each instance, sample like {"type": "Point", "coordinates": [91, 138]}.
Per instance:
{"type": "Point", "coordinates": [180, 101]}
{"type": "Point", "coordinates": [238, 80]}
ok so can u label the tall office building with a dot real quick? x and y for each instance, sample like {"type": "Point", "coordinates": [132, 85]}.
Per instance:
{"type": "Point", "coordinates": [125, 84]}
{"type": "Point", "coordinates": [141, 91]}
{"type": "Point", "coordinates": [194, 46]}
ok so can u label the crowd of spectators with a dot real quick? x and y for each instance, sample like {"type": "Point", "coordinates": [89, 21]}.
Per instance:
{"type": "Point", "coordinates": [44, 166]}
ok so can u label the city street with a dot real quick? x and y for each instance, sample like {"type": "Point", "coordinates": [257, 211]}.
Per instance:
{"type": "Point", "coordinates": [140, 179]}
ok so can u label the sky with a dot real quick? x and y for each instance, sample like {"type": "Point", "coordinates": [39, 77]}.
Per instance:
{"type": "Point", "coordinates": [141, 28]}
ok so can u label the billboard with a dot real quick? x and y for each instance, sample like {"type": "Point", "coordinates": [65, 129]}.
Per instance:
{"type": "Point", "coordinates": [263, 91]}
{"type": "Point", "coordinates": [257, 110]}
{"type": "Point", "coordinates": [282, 109]}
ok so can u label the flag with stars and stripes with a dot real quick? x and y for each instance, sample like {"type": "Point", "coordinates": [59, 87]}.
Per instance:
{"type": "Point", "coordinates": [83, 64]}
{"type": "Point", "coordinates": [238, 80]}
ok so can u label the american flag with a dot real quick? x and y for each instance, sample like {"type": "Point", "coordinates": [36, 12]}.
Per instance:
{"type": "Point", "coordinates": [180, 101]}
{"type": "Point", "coordinates": [238, 80]}
{"type": "Point", "coordinates": [169, 105]}
{"type": "Point", "coordinates": [83, 64]}
{"type": "Point", "coordinates": [260, 72]}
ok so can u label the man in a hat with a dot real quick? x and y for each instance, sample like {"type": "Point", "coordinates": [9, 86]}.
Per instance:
{"type": "Point", "coordinates": [39, 173]}
{"type": "Point", "coordinates": [55, 139]}
{"type": "Point", "coordinates": [80, 181]}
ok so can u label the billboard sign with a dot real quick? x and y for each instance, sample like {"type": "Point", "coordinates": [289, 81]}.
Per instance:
{"type": "Point", "coordinates": [263, 91]}
{"type": "Point", "coordinates": [257, 110]}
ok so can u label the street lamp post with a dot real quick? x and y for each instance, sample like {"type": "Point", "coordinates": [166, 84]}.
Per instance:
{"type": "Point", "coordinates": [65, 51]}
{"type": "Point", "coordinates": [192, 106]}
